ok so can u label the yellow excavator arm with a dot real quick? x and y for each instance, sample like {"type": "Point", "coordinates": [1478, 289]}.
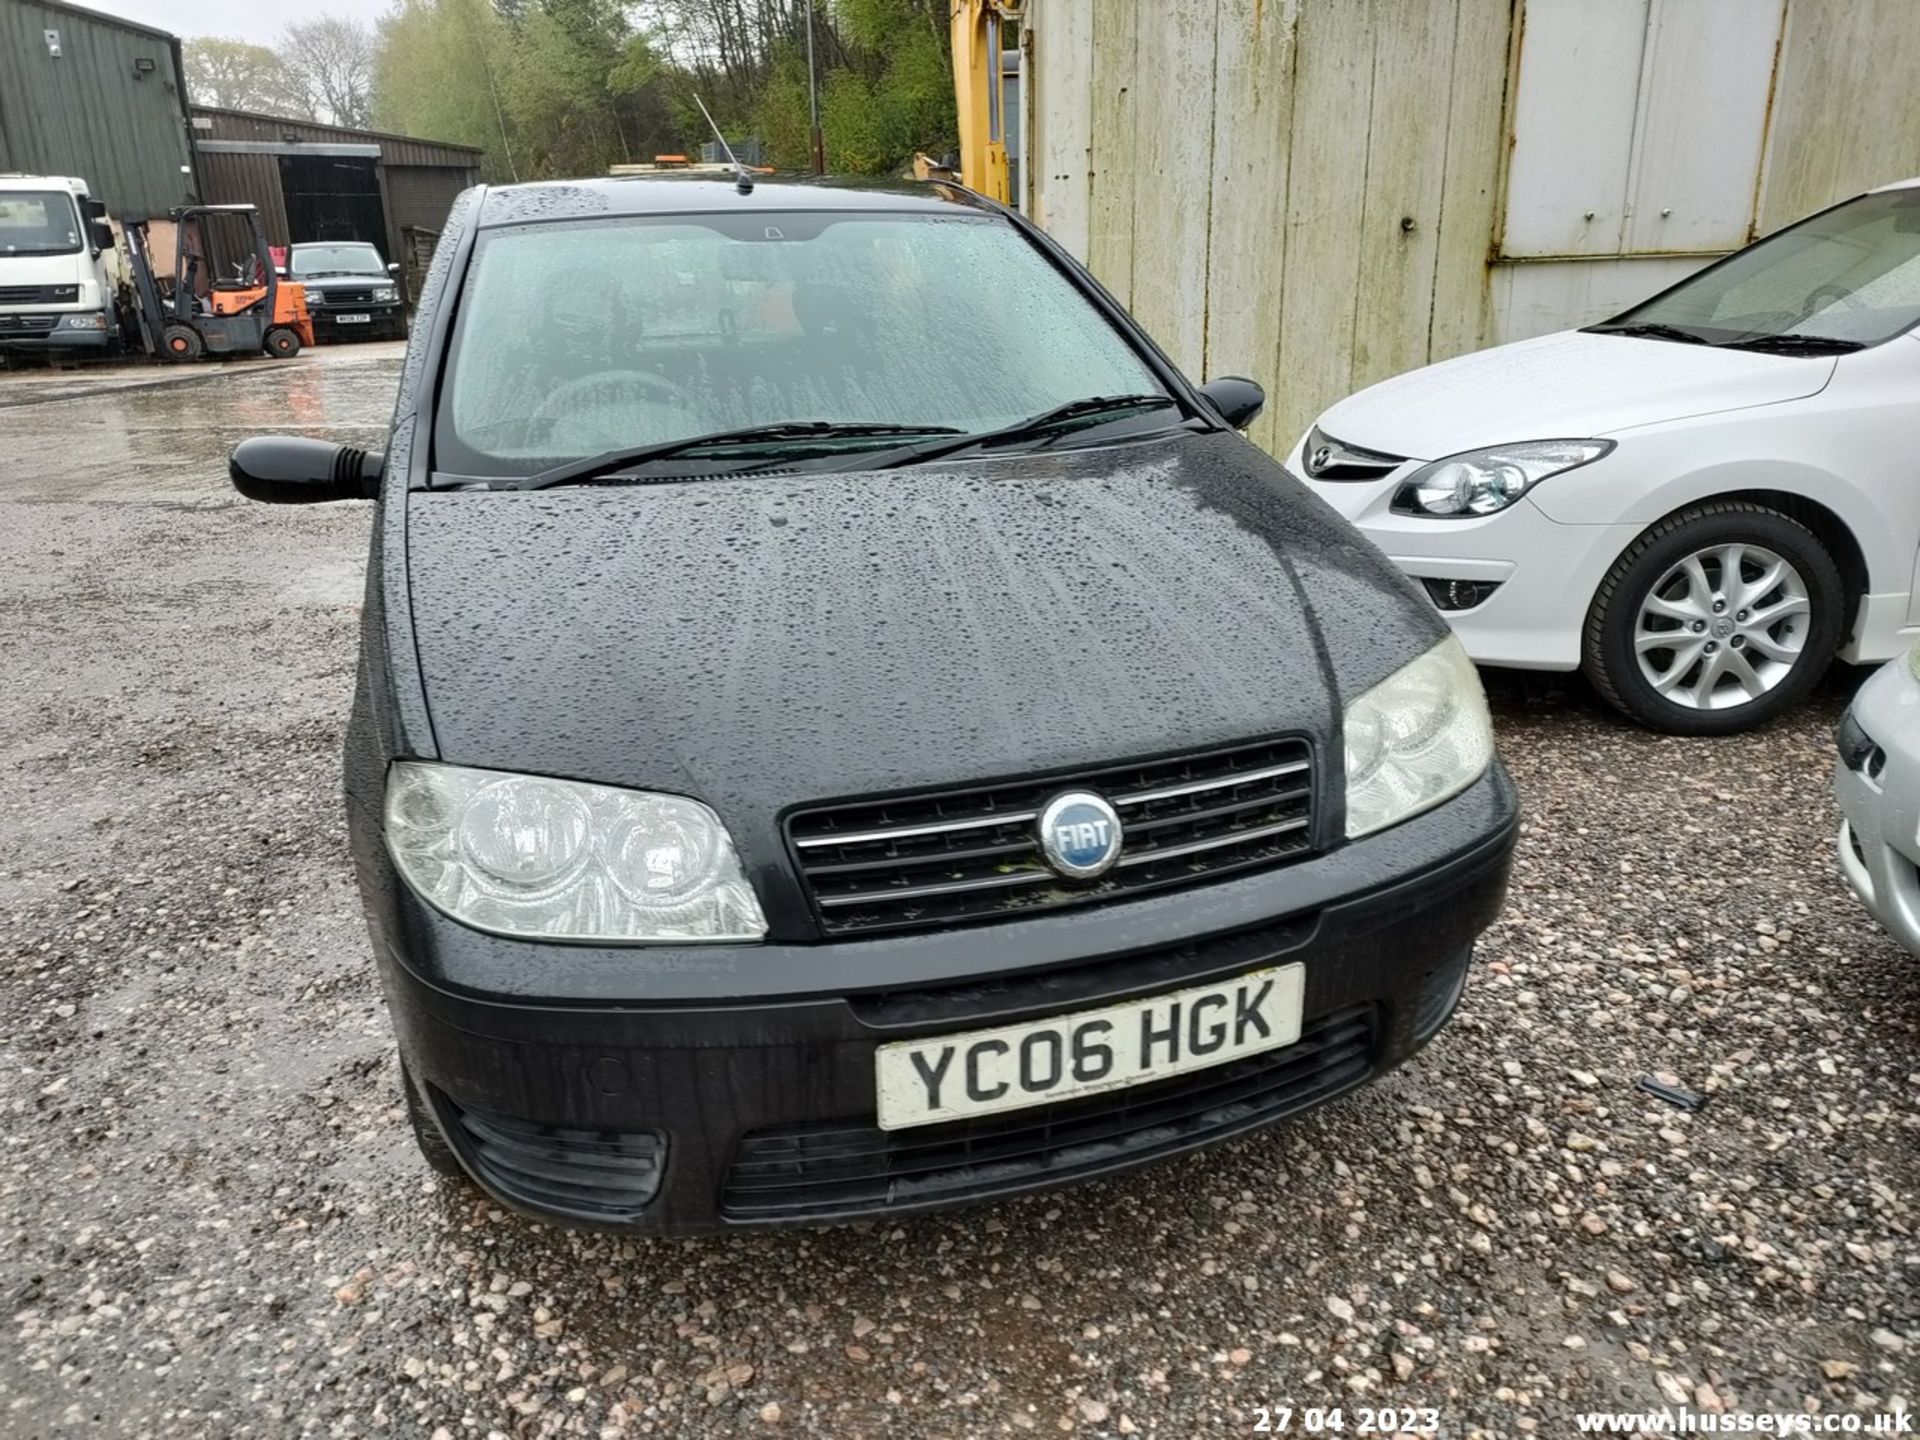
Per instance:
{"type": "Point", "coordinates": [980, 93]}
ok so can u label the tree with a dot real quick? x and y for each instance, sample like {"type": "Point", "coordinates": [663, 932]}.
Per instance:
{"type": "Point", "coordinates": [233, 75]}
{"type": "Point", "coordinates": [331, 61]}
{"type": "Point", "coordinates": [438, 73]}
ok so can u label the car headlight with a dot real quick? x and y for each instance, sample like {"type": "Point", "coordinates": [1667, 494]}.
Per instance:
{"type": "Point", "coordinates": [386, 292]}
{"type": "Point", "coordinates": [1484, 482]}
{"type": "Point", "coordinates": [1419, 737]}
{"type": "Point", "coordinates": [549, 859]}
{"type": "Point", "coordinates": [85, 322]}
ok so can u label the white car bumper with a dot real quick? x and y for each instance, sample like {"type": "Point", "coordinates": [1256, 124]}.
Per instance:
{"type": "Point", "coordinates": [1545, 573]}
{"type": "Point", "coordinates": [1880, 835]}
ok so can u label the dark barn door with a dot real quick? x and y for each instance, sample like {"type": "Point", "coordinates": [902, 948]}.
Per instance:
{"type": "Point", "coordinates": [333, 197]}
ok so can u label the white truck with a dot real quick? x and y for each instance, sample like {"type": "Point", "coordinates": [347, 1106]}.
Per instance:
{"type": "Point", "coordinates": [59, 269]}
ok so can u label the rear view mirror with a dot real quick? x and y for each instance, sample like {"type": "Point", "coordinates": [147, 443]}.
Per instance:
{"type": "Point", "coordinates": [292, 470]}
{"type": "Point", "coordinates": [393, 267]}
{"type": "Point", "coordinates": [1237, 398]}
{"type": "Point", "coordinates": [102, 234]}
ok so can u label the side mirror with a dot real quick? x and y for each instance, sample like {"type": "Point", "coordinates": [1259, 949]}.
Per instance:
{"type": "Point", "coordinates": [96, 209]}
{"type": "Point", "coordinates": [292, 470]}
{"type": "Point", "coordinates": [102, 234]}
{"type": "Point", "coordinates": [393, 267]}
{"type": "Point", "coordinates": [1237, 398]}
{"type": "Point", "coordinates": [280, 271]}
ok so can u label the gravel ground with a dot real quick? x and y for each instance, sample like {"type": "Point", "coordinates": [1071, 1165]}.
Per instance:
{"type": "Point", "coordinates": [213, 1222]}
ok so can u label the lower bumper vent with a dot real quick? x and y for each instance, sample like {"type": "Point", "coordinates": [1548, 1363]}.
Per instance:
{"type": "Point", "coordinates": [604, 1176]}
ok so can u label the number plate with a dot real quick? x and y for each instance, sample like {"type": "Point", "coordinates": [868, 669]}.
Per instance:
{"type": "Point", "coordinates": [982, 1072]}
{"type": "Point", "coordinates": [353, 319]}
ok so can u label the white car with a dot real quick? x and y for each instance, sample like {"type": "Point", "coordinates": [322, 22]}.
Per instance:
{"type": "Point", "coordinates": [1699, 502]}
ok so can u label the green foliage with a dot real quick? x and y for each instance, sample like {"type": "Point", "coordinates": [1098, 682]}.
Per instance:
{"type": "Point", "coordinates": [235, 75]}
{"type": "Point", "coordinates": [436, 75]}
{"type": "Point", "coordinates": [571, 87]}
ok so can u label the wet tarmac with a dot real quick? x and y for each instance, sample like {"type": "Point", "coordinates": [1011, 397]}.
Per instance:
{"type": "Point", "coordinates": [161, 432]}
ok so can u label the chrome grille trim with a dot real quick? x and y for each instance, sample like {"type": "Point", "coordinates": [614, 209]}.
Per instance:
{"type": "Point", "coordinates": [971, 853]}
{"type": "Point", "coordinates": [1195, 847]}
{"type": "Point", "coordinates": [1344, 461]}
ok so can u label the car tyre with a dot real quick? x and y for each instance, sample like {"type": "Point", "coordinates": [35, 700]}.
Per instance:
{"type": "Point", "coordinates": [282, 343]}
{"type": "Point", "coordinates": [433, 1145]}
{"type": "Point", "coordinates": [1774, 625]}
{"type": "Point", "coordinates": [181, 342]}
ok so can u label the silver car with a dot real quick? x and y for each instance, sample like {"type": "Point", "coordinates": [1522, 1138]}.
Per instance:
{"type": "Point", "coordinates": [1877, 782]}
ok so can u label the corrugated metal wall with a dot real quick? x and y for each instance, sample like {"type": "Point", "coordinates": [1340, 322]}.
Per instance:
{"type": "Point", "coordinates": [247, 180]}
{"type": "Point", "coordinates": [394, 149]}
{"type": "Point", "coordinates": [94, 110]}
{"type": "Point", "coordinates": [419, 196]}
{"type": "Point", "coordinates": [1323, 193]}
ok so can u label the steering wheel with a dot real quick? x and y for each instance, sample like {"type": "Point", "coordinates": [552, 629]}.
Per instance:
{"type": "Point", "coordinates": [603, 405]}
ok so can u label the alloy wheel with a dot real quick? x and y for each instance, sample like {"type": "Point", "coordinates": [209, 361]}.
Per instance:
{"type": "Point", "coordinates": [1722, 627]}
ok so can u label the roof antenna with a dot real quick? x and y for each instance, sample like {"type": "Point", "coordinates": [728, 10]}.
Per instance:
{"type": "Point", "coordinates": [742, 181]}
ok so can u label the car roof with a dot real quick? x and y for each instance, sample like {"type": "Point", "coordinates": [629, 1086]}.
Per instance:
{"type": "Point", "coordinates": [700, 193]}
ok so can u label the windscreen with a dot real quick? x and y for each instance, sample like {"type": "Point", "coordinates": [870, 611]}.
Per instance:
{"type": "Point", "coordinates": [578, 338]}
{"type": "Point", "coordinates": [38, 222]}
{"type": "Point", "coordinates": [337, 260]}
{"type": "Point", "coordinates": [1850, 274]}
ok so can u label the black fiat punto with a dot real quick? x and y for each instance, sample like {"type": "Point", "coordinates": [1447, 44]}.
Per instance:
{"type": "Point", "coordinates": [844, 727]}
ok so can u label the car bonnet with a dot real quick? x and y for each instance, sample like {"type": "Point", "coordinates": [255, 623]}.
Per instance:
{"type": "Point", "coordinates": [769, 641]}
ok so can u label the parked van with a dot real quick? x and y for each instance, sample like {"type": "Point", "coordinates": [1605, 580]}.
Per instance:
{"type": "Point", "coordinates": [56, 261]}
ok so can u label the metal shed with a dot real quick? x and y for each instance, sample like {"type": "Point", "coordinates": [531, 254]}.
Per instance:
{"type": "Point", "coordinates": [92, 95]}
{"type": "Point", "coordinates": [325, 182]}
{"type": "Point", "coordinates": [1323, 193]}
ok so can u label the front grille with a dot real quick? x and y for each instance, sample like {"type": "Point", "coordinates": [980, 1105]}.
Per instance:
{"type": "Point", "coordinates": [604, 1175]}
{"type": "Point", "coordinates": [1326, 458]}
{"type": "Point", "coordinates": [28, 324]}
{"type": "Point", "coordinates": [339, 299]}
{"type": "Point", "coordinates": [818, 1172]}
{"type": "Point", "coordinates": [38, 294]}
{"type": "Point", "coordinates": [961, 855]}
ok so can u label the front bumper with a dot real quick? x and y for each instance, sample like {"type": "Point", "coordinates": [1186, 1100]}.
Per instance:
{"type": "Point", "coordinates": [382, 320]}
{"type": "Point", "coordinates": [729, 1112]}
{"type": "Point", "coordinates": [1877, 783]}
{"type": "Point", "coordinates": [1545, 573]}
{"type": "Point", "coordinates": [44, 333]}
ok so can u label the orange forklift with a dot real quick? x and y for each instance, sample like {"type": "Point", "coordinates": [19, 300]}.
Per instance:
{"type": "Point", "coordinates": [221, 295]}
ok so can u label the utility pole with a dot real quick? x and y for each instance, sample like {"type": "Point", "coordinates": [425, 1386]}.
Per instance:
{"type": "Point", "coordinates": [813, 99]}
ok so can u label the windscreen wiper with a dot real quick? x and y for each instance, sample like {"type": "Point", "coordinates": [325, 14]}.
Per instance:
{"type": "Point", "coordinates": [1093, 407]}
{"type": "Point", "coordinates": [598, 467]}
{"type": "Point", "coordinates": [1794, 344]}
{"type": "Point", "coordinates": [1652, 331]}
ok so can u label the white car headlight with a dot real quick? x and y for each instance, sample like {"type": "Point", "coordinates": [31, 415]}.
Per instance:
{"type": "Point", "coordinates": [386, 292]}
{"type": "Point", "coordinates": [1419, 737]}
{"type": "Point", "coordinates": [1484, 482]}
{"type": "Point", "coordinates": [548, 859]}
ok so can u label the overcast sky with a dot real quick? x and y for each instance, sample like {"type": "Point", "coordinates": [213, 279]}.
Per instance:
{"type": "Point", "coordinates": [238, 19]}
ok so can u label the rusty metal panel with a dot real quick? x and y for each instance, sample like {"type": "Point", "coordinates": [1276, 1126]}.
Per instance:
{"type": "Point", "coordinates": [1845, 114]}
{"type": "Point", "coordinates": [87, 94]}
